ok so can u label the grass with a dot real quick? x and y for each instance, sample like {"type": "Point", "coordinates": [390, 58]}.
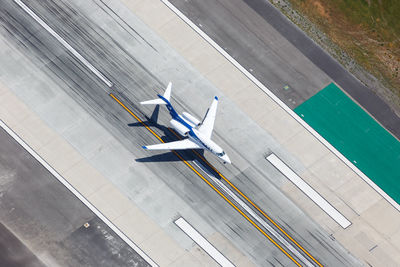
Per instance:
{"type": "Point", "coordinates": [367, 30]}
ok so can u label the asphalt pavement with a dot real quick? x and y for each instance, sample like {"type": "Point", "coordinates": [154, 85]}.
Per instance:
{"type": "Point", "coordinates": [76, 103]}
{"type": "Point", "coordinates": [43, 224]}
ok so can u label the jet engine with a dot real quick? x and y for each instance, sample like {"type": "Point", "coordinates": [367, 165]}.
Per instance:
{"type": "Point", "coordinates": [182, 130]}
{"type": "Point", "coordinates": [190, 119]}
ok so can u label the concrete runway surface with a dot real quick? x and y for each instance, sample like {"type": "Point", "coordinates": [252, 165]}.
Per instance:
{"type": "Point", "coordinates": [277, 52]}
{"type": "Point", "coordinates": [73, 101]}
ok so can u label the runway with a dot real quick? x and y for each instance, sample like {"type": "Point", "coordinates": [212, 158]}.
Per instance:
{"type": "Point", "coordinates": [71, 99]}
{"type": "Point", "coordinates": [264, 41]}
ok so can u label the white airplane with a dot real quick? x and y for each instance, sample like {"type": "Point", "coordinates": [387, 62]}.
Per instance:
{"type": "Point", "coordinates": [198, 133]}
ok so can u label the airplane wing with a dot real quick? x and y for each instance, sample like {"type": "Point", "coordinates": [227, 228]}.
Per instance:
{"type": "Point", "coordinates": [207, 125]}
{"type": "Point", "coordinates": [176, 145]}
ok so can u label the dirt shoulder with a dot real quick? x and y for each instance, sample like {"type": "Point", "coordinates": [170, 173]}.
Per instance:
{"type": "Point", "coordinates": [363, 36]}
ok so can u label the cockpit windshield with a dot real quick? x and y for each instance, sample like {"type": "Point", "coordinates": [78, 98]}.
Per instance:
{"type": "Point", "coordinates": [221, 154]}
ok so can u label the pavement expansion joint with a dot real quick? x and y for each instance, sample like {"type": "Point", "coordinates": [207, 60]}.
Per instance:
{"type": "Point", "coordinates": [297, 253]}
{"type": "Point", "coordinates": [277, 100]}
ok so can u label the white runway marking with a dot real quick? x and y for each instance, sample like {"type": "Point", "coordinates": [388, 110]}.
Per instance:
{"type": "Point", "coordinates": [309, 191]}
{"type": "Point", "coordinates": [203, 243]}
{"type": "Point", "coordinates": [77, 194]}
{"type": "Point", "coordinates": [64, 43]}
{"type": "Point", "coordinates": [255, 215]}
{"type": "Point", "coordinates": [281, 104]}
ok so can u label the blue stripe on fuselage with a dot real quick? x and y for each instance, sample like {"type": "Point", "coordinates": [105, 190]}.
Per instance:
{"type": "Point", "coordinates": [175, 115]}
{"type": "Point", "coordinates": [178, 118]}
{"type": "Point", "coordinates": [194, 136]}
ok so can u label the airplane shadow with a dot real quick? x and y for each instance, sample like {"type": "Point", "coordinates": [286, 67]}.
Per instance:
{"type": "Point", "coordinates": [152, 122]}
{"type": "Point", "coordinates": [169, 136]}
{"type": "Point", "coordinates": [167, 157]}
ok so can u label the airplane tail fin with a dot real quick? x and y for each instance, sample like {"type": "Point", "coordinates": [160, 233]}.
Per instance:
{"type": "Point", "coordinates": [160, 101]}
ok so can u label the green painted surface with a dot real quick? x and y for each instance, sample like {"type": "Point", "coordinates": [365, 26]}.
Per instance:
{"type": "Point", "coordinates": [356, 135]}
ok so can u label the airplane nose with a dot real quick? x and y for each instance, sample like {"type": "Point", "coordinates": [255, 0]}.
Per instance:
{"type": "Point", "coordinates": [226, 159]}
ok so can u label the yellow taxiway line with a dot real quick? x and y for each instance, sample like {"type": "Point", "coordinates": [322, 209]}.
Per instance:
{"type": "Point", "coordinates": [216, 190]}
{"type": "Point", "coordinates": [251, 202]}
{"type": "Point", "coordinates": [256, 207]}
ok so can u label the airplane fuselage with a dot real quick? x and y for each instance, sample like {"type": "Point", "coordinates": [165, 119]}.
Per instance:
{"type": "Point", "coordinates": [185, 125]}
{"type": "Point", "coordinates": [186, 130]}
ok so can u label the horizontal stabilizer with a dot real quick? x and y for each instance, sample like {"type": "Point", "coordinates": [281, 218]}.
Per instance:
{"type": "Point", "coordinates": [159, 101]}
{"type": "Point", "coordinates": [167, 93]}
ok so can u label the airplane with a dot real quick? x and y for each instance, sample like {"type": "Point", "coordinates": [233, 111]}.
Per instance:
{"type": "Point", "coordinates": [197, 134]}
